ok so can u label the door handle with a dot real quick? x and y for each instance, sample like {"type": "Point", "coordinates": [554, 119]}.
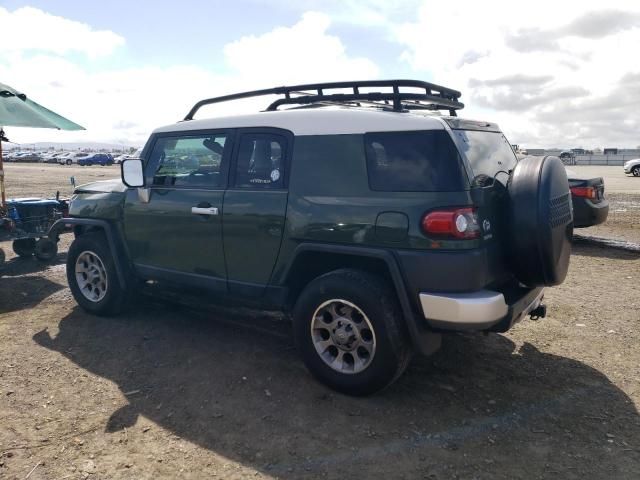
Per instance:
{"type": "Point", "coordinates": [204, 210]}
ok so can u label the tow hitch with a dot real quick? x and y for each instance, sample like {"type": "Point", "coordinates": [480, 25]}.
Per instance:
{"type": "Point", "coordinates": [539, 312]}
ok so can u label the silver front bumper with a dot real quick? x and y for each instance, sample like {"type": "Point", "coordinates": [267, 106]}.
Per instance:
{"type": "Point", "coordinates": [469, 311]}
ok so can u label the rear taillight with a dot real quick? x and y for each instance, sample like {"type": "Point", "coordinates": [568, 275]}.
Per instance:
{"type": "Point", "coordinates": [460, 223]}
{"type": "Point", "coordinates": [584, 192]}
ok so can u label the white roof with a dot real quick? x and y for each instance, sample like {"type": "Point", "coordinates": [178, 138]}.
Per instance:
{"type": "Point", "coordinates": [317, 121]}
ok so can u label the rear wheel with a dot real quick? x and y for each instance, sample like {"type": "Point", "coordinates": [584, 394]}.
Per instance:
{"type": "Point", "coordinates": [68, 162]}
{"type": "Point", "coordinates": [24, 247]}
{"type": "Point", "coordinates": [636, 171]}
{"type": "Point", "coordinates": [92, 275]}
{"type": "Point", "coordinates": [348, 328]}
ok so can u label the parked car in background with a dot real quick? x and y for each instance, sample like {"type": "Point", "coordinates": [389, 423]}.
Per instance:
{"type": "Point", "coordinates": [27, 157]}
{"type": "Point", "coordinates": [633, 167]}
{"type": "Point", "coordinates": [127, 156]}
{"type": "Point", "coordinates": [96, 159]}
{"type": "Point", "coordinates": [72, 157]}
{"type": "Point", "coordinates": [44, 158]}
{"type": "Point", "coordinates": [65, 158]}
{"type": "Point", "coordinates": [589, 205]}
{"type": "Point", "coordinates": [9, 157]}
{"type": "Point", "coordinates": [50, 157]}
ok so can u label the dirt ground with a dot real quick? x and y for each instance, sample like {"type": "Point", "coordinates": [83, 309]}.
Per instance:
{"type": "Point", "coordinates": [168, 391]}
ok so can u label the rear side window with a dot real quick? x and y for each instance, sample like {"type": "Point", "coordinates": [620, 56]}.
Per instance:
{"type": "Point", "coordinates": [260, 161]}
{"type": "Point", "coordinates": [417, 161]}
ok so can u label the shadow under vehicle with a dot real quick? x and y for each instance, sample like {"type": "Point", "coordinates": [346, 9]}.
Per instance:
{"type": "Point", "coordinates": [469, 410]}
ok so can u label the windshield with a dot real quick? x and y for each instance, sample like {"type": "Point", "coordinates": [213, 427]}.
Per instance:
{"type": "Point", "coordinates": [488, 153]}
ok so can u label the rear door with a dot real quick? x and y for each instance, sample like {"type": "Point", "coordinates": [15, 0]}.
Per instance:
{"type": "Point", "coordinates": [254, 208]}
{"type": "Point", "coordinates": [176, 233]}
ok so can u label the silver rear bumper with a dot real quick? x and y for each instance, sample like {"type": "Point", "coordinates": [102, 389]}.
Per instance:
{"type": "Point", "coordinates": [470, 311]}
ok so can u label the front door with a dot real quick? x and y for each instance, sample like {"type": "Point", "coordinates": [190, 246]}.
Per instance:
{"type": "Point", "coordinates": [175, 233]}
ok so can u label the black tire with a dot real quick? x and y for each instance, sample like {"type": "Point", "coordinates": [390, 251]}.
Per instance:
{"type": "Point", "coordinates": [636, 171]}
{"type": "Point", "coordinates": [379, 304]}
{"type": "Point", "coordinates": [2, 257]}
{"type": "Point", "coordinates": [24, 247]}
{"type": "Point", "coordinates": [540, 221]}
{"type": "Point", "coordinates": [46, 249]}
{"type": "Point", "coordinates": [115, 296]}
{"type": "Point", "coordinates": [69, 162]}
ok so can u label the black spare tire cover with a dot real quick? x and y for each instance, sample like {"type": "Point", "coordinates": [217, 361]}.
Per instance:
{"type": "Point", "coordinates": [540, 221]}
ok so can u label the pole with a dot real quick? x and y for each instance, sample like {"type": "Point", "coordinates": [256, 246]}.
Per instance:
{"type": "Point", "coordinates": [3, 204]}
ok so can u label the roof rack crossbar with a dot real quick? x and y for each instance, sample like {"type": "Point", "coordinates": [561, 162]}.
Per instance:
{"type": "Point", "coordinates": [439, 102]}
{"type": "Point", "coordinates": [435, 97]}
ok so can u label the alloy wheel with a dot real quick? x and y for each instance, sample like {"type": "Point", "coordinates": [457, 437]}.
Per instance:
{"type": "Point", "coordinates": [91, 276]}
{"type": "Point", "coordinates": [343, 336]}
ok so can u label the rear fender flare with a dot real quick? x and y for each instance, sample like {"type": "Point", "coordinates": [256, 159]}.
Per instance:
{"type": "Point", "coordinates": [424, 340]}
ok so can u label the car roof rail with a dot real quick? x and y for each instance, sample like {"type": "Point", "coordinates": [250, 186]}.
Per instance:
{"type": "Point", "coordinates": [433, 97]}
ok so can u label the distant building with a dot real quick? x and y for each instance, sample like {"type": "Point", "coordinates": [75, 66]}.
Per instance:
{"type": "Point", "coordinates": [629, 151]}
{"type": "Point", "coordinates": [535, 151]}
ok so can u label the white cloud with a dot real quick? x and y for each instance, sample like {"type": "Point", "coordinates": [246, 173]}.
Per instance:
{"type": "Point", "coordinates": [125, 105]}
{"type": "Point", "coordinates": [29, 28]}
{"type": "Point", "coordinates": [301, 53]}
{"type": "Point", "coordinates": [121, 106]}
{"type": "Point", "coordinates": [489, 50]}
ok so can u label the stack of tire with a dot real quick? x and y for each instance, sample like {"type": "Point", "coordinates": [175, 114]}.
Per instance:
{"type": "Point", "coordinates": [44, 248]}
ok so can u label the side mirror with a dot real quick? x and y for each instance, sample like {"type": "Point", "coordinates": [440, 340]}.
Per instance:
{"type": "Point", "coordinates": [132, 173]}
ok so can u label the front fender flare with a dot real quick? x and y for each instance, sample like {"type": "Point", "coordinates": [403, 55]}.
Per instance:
{"type": "Point", "coordinates": [115, 245]}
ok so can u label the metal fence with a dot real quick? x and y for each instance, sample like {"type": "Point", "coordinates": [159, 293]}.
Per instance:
{"type": "Point", "coordinates": [616, 160]}
{"type": "Point", "coordinates": [612, 160]}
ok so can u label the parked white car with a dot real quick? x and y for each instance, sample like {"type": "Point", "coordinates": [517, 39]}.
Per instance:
{"type": "Point", "coordinates": [127, 156]}
{"type": "Point", "coordinates": [632, 166]}
{"type": "Point", "coordinates": [66, 158]}
{"type": "Point", "coordinates": [72, 157]}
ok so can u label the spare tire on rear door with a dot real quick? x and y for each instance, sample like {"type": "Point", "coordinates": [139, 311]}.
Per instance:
{"type": "Point", "coordinates": [540, 221]}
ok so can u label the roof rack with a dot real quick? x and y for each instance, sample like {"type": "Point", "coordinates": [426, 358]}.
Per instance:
{"type": "Point", "coordinates": [434, 97]}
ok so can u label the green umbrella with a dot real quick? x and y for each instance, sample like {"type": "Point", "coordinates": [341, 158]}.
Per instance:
{"type": "Point", "coordinates": [19, 111]}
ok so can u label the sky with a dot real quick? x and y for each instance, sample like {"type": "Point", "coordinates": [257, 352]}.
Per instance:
{"type": "Point", "coordinates": [550, 73]}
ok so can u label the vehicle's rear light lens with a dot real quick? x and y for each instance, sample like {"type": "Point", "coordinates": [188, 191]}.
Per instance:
{"type": "Point", "coordinates": [584, 192]}
{"type": "Point", "coordinates": [459, 223]}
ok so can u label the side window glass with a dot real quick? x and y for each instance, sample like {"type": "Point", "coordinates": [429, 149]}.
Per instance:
{"type": "Point", "coordinates": [415, 161]}
{"type": "Point", "coordinates": [260, 161]}
{"type": "Point", "coordinates": [193, 161]}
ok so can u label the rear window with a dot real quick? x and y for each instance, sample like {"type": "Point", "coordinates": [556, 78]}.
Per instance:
{"type": "Point", "coordinates": [487, 152]}
{"type": "Point", "coordinates": [417, 161]}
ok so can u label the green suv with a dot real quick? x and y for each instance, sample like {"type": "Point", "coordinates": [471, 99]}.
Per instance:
{"type": "Point", "coordinates": [376, 222]}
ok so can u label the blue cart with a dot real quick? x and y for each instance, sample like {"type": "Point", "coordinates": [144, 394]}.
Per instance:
{"type": "Point", "coordinates": [27, 222]}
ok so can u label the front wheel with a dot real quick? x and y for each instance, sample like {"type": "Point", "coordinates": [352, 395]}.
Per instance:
{"type": "Point", "coordinates": [92, 275]}
{"type": "Point", "coordinates": [68, 162]}
{"type": "Point", "coordinates": [348, 329]}
{"type": "Point", "coordinates": [636, 171]}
